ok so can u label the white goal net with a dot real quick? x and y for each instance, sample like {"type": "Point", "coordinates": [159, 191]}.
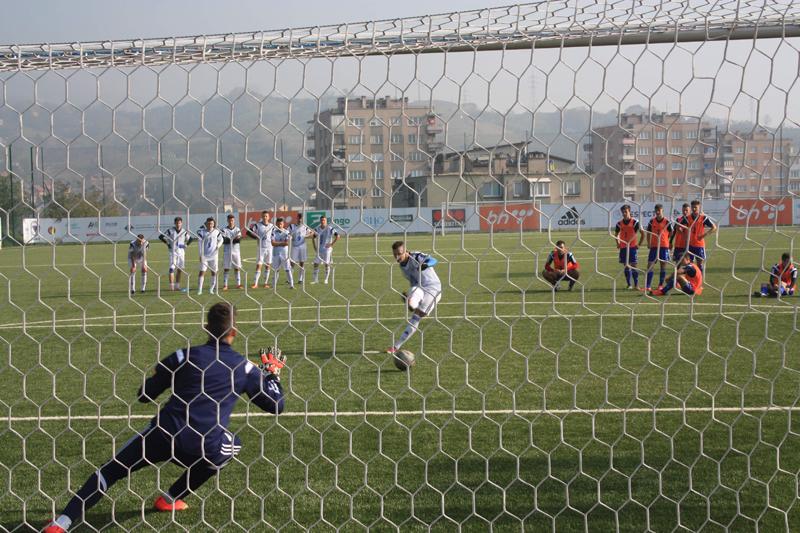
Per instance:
{"type": "Point", "coordinates": [500, 145]}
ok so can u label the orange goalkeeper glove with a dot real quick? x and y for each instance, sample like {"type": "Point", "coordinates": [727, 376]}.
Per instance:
{"type": "Point", "coordinates": [272, 360]}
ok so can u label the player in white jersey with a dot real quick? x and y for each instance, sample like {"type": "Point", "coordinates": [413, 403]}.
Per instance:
{"type": "Point", "coordinates": [176, 239]}
{"type": "Point", "coordinates": [280, 252]}
{"type": "Point", "coordinates": [299, 254]}
{"type": "Point", "coordinates": [327, 237]}
{"type": "Point", "coordinates": [231, 254]}
{"type": "Point", "coordinates": [425, 291]}
{"type": "Point", "coordinates": [137, 258]}
{"type": "Point", "coordinates": [209, 242]}
{"type": "Point", "coordinates": [262, 231]}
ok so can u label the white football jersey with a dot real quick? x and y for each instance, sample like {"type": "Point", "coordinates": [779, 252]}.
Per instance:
{"type": "Point", "coordinates": [280, 236]}
{"type": "Point", "coordinates": [177, 240]}
{"type": "Point", "coordinates": [299, 233]}
{"type": "Point", "coordinates": [264, 233]}
{"type": "Point", "coordinates": [231, 234]}
{"type": "Point", "coordinates": [210, 241]}
{"type": "Point", "coordinates": [412, 270]}
{"type": "Point", "coordinates": [137, 251]}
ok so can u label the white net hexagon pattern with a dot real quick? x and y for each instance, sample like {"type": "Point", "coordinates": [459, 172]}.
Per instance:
{"type": "Point", "coordinates": [481, 138]}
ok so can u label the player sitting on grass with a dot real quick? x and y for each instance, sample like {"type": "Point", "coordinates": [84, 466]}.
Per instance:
{"type": "Point", "coordinates": [191, 430]}
{"type": "Point", "coordinates": [177, 239]}
{"type": "Point", "coordinates": [782, 279]}
{"type": "Point", "coordinates": [137, 258]}
{"type": "Point", "coordinates": [425, 291]}
{"type": "Point", "coordinates": [625, 234]}
{"type": "Point", "coordinates": [560, 265]}
{"type": "Point", "coordinates": [231, 252]}
{"type": "Point", "coordinates": [658, 230]}
{"type": "Point", "coordinates": [688, 278]}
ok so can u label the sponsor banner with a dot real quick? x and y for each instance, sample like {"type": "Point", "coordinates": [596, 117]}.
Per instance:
{"type": "Point", "coordinates": [454, 218]}
{"type": "Point", "coordinates": [761, 213]}
{"type": "Point", "coordinates": [107, 229]}
{"type": "Point", "coordinates": [248, 218]}
{"type": "Point", "coordinates": [390, 221]}
{"type": "Point", "coordinates": [509, 217]}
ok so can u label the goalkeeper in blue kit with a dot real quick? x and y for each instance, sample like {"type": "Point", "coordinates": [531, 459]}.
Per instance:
{"type": "Point", "coordinates": [191, 429]}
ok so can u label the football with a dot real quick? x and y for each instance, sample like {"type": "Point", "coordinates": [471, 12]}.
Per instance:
{"type": "Point", "coordinates": [403, 360]}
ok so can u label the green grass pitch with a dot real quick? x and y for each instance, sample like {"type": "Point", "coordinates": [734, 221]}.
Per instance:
{"type": "Point", "coordinates": [595, 409]}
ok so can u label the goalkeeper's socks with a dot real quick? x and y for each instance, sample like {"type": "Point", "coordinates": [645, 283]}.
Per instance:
{"type": "Point", "coordinates": [628, 276]}
{"type": "Point", "coordinates": [144, 281]}
{"type": "Point", "coordinates": [258, 276]}
{"type": "Point", "coordinates": [411, 328]}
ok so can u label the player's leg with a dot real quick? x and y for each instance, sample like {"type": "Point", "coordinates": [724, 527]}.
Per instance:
{"type": "Point", "coordinates": [302, 272]}
{"type": "Point", "coordinates": [651, 259]}
{"type": "Point", "coordinates": [317, 261]}
{"type": "Point", "coordinates": [257, 275]}
{"type": "Point", "coordinates": [623, 259]}
{"type": "Point", "coordinates": [277, 263]}
{"type": "Point", "coordinates": [171, 271]}
{"type": "Point", "coordinates": [201, 276]}
{"type": "Point", "coordinates": [132, 277]}
{"type": "Point", "coordinates": [422, 304]}
{"type": "Point", "coordinates": [212, 269]}
{"type": "Point", "coordinates": [550, 276]}
{"type": "Point", "coordinates": [573, 275]}
{"type": "Point", "coordinates": [225, 273]}
{"type": "Point", "coordinates": [633, 262]}
{"type": "Point", "coordinates": [144, 276]}
{"type": "Point", "coordinates": [290, 277]}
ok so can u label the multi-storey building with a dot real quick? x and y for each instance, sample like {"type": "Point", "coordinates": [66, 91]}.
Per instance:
{"type": "Point", "coordinates": [366, 149]}
{"type": "Point", "coordinates": [669, 156]}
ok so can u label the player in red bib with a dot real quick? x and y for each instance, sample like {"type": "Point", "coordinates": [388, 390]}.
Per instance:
{"type": "Point", "coordinates": [688, 278]}
{"type": "Point", "coordinates": [658, 233]}
{"type": "Point", "coordinates": [782, 279]}
{"type": "Point", "coordinates": [625, 234]}
{"type": "Point", "coordinates": [680, 234]}
{"type": "Point", "coordinates": [561, 264]}
{"type": "Point", "coordinates": [700, 227]}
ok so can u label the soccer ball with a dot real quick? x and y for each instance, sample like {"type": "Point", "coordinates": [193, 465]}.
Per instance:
{"type": "Point", "coordinates": [403, 360]}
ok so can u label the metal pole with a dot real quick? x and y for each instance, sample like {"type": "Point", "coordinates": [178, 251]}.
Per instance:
{"type": "Point", "coordinates": [283, 176]}
{"type": "Point", "coordinates": [33, 196]}
{"type": "Point", "coordinates": [161, 165]}
{"type": "Point", "coordinates": [222, 175]}
{"type": "Point", "coordinates": [103, 177]}
{"type": "Point", "coordinates": [11, 191]}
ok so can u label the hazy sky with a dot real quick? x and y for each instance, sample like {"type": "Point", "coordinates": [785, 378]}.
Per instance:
{"type": "Point", "coordinates": [86, 20]}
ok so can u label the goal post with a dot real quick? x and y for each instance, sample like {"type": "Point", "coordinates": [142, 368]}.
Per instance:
{"type": "Point", "coordinates": [543, 393]}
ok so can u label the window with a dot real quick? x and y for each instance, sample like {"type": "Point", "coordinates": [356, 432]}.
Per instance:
{"type": "Point", "coordinates": [397, 138]}
{"type": "Point", "coordinates": [691, 134]}
{"type": "Point", "coordinates": [642, 166]}
{"type": "Point", "coordinates": [693, 165]}
{"type": "Point", "coordinates": [754, 188]}
{"type": "Point", "coordinates": [416, 156]}
{"type": "Point", "coordinates": [643, 150]}
{"type": "Point", "coordinates": [695, 150]}
{"type": "Point", "coordinates": [541, 189]}
{"type": "Point", "coordinates": [397, 173]}
{"type": "Point", "coordinates": [396, 157]}
{"type": "Point", "coordinates": [661, 134]}
{"type": "Point", "coordinates": [355, 157]}
{"type": "Point", "coordinates": [357, 175]}
{"type": "Point", "coordinates": [661, 182]}
{"type": "Point", "coordinates": [753, 162]}
{"type": "Point", "coordinates": [355, 139]}
{"type": "Point", "coordinates": [676, 134]}
{"type": "Point", "coordinates": [660, 150]}
{"type": "Point", "coordinates": [741, 188]}
{"type": "Point", "coordinates": [767, 188]}
{"type": "Point", "coordinates": [676, 181]}
{"type": "Point", "coordinates": [418, 173]}
{"type": "Point", "coordinates": [753, 149]}
{"type": "Point", "coordinates": [376, 139]}
{"type": "Point", "coordinates": [358, 192]}
{"type": "Point", "coordinates": [378, 174]}
{"type": "Point", "coordinates": [375, 121]}
{"type": "Point", "coordinates": [794, 185]}
{"type": "Point", "coordinates": [412, 138]}
{"type": "Point", "coordinates": [661, 166]}
{"type": "Point", "coordinates": [740, 149]}
{"type": "Point", "coordinates": [357, 122]}
{"type": "Point", "coordinates": [677, 165]}
{"type": "Point", "coordinates": [376, 156]}
{"type": "Point", "coordinates": [794, 173]}
{"type": "Point", "coordinates": [572, 188]}
{"type": "Point", "coordinates": [377, 192]}
{"type": "Point", "coordinates": [395, 121]}
{"type": "Point", "coordinates": [415, 121]}
{"type": "Point", "coordinates": [492, 189]}
{"type": "Point", "coordinates": [676, 150]}
{"type": "Point", "coordinates": [644, 135]}
{"type": "Point", "coordinates": [644, 183]}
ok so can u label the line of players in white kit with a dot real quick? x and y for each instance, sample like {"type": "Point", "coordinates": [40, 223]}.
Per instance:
{"type": "Point", "coordinates": [279, 247]}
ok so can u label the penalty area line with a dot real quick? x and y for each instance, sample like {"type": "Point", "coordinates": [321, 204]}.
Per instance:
{"type": "Point", "coordinates": [443, 412]}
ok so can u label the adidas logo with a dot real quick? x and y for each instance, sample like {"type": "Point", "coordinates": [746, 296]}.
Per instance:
{"type": "Point", "coordinates": [571, 218]}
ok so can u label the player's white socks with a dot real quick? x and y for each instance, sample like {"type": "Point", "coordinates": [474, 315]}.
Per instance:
{"type": "Point", "coordinates": [302, 274]}
{"type": "Point", "coordinates": [238, 277]}
{"type": "Point", "coordinates": [327, 273]}
{"type": "Point", "coordinates": [258, 276]}
{"type": "Point", "coordinates": [63, 521]}
{"type": "Point", "coordinates": [213, 288]}
{"type": "Point", "coordinates": [411, 328]}
{"type": "Point", "coordinates": [144, 281]}
{"type": "Point", "coordinates": [132, 282]}
{"type": "Point", "coordinates": [172, 286]}
{"type": "Point", "coordinates": [200, 282]}
{"type": "Point", "coordinates": [316, 272]}
{"type": "Point", "coordinates": [225, 279]}
{"type": "Point", "coordinates": [291, 276]}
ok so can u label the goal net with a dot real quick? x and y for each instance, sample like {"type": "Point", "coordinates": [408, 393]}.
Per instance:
{"type": "Point", "coordinates": [488, 140]}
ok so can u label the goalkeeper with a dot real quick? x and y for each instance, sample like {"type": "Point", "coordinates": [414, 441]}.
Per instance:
{"type": "Point", "coordinates": [191, 430]}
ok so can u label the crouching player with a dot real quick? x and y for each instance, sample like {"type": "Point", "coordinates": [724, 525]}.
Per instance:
{"type": "Point", "coordinates": [782, 279]}
{"type": "Point", "coordinates": [191, 430]}
{"type": "Point", "coordinates": [688, 278]}
{"type": "Point", "coordinates": [425, 291]}
{"type": "Point", "coordinates": [137, 258]}
{"type": "Point", "coordinates": [560, 265]}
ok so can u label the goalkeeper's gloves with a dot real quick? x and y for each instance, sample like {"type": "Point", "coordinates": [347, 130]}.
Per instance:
{"type": "Point", "coordinates": [272, 360]}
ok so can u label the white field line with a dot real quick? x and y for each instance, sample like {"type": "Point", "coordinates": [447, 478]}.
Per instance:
{"type": "Point", "coordinates": [442, 412]}
{"type": "Point", "coordinates": [117, 324]}
{"type": "Point", "coordinates": [758, 308]}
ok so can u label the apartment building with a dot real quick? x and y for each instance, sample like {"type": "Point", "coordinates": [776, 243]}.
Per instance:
{"type": "Point", "coordinates": [365, 149]}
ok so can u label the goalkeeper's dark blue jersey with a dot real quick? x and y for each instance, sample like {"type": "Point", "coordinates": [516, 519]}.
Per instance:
{"type": "Point", "coordinates": [205, 387]}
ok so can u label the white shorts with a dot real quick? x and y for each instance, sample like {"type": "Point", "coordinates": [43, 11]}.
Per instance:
{"type": "Point", "coordinates": [264, 256]}
{"type": "Point", "coordinates": [280, 260]}
{"type": "Point", "coordinates": [231, 259]}
{"type": "Point", "coordinates": [138, 263]}
{"type": "Point", "coordinates": [324, 256]}
{"type": "Point", "coordinates": [419, 299]}
{"type": "Point", "coordinates": [299, 254]}
{"type": "Point", "coordinates": [208, 263]}
{"type": "Point", "coordinates": [177, 260]}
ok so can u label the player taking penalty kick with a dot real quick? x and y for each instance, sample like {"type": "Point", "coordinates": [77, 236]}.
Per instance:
{"type": "Point", "coordinates": [424, 293]}
{"type": "Point", "coordinates": [191, 429]}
